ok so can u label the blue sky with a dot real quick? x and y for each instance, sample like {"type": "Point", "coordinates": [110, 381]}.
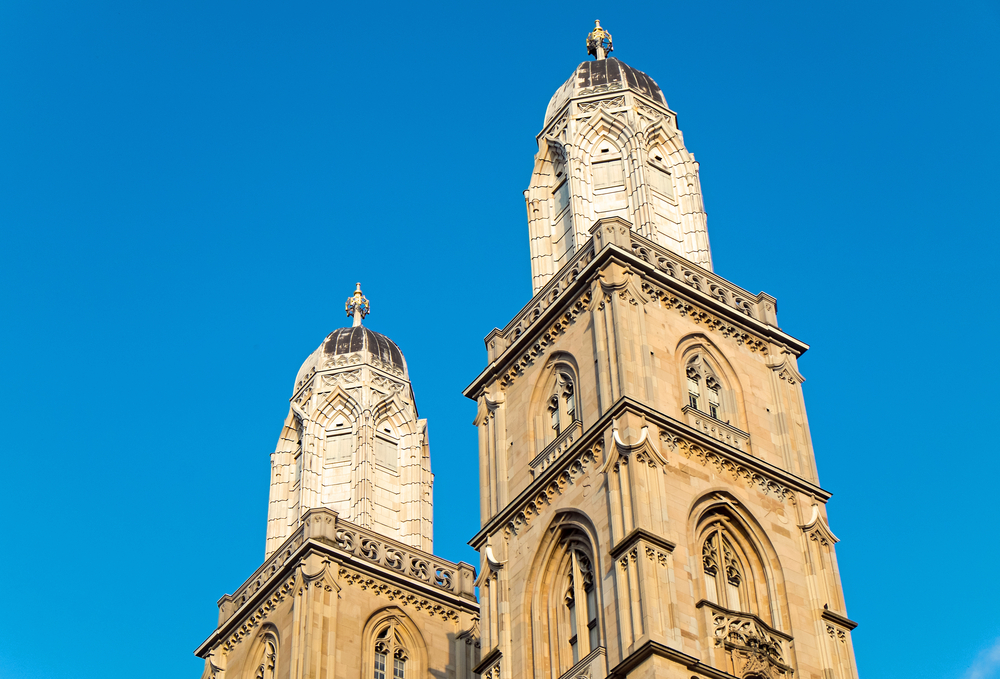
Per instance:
{"type": "Point", "coordinates": [190, 190]}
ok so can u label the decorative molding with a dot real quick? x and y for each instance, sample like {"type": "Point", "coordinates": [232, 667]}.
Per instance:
{"type": "Point", "coordinates": [818, 530]}
{"type": "Point", "coordinates": [549, 338]}
{"type": "Point", "coordinates": [397, 594]}
{"type": "Point", "coordinates": [571, 471]}
{"type": "Point", "coordinates": [726, 465]}
{"type": "Point", "coordinates": [598, 89]}
{"type": "Point", "coordinates": [391, 386]}
{"type": "Point", "coordinates": [283, 590]}
{"type": "Point", "coordinates": [752, 646]}
{"type": "Point", "coordinates": [344, 378]}
{"type": "Point", "coordinates": [591, 106]}
{"type": "Point", "coordinates": [340, 360]}
{"type": "Point", "coordinates": [689, 310]}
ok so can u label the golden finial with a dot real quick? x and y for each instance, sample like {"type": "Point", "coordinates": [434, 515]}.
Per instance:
{"type": "Point", "coordinates": [599, 42]}
{"type": "Point", "coordinates": [357, 306]}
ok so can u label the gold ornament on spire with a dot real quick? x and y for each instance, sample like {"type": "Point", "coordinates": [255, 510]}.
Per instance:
{"type": "Point", "coordinates": [358, 306]}
{"type": "Point", "coordinates": [599, 42]}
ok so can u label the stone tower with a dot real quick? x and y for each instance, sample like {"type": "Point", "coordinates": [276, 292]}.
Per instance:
{"type": "Point", "coordinates": [649, 497]}
{"type": "Point", "coordinates": [349, 587]}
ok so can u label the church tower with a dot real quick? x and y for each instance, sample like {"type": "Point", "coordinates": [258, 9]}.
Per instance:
{"type": "Point", "coordinates": [649, 497]}
{"type": "Point", "coordinates": [349, 587]}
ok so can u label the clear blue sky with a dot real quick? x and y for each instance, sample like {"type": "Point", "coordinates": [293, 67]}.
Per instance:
{"type": "Point", "coordinates": [190, 190]}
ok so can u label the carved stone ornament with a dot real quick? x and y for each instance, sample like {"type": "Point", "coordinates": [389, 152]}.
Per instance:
{"type": "Point", "coordinates": [398, 595]}
{"type": "Point", "coordinates": [725, 465]}
{"type": "Point", "coordinates": [572, 471]}
{"type": "Point", "coordinates": [753, 650]}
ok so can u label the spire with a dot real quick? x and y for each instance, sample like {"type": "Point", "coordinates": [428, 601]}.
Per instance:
{"type": "Point", "coordinates": [599, 42]}
{"type": "Point", "coordinates": [358, 306]}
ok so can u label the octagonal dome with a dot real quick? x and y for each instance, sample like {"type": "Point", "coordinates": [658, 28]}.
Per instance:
{"type": "Point", "coordinates": [592, 77]}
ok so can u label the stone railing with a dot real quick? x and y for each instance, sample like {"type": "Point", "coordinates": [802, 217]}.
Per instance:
{"type": "Point", "coordinates": [761, 307]}
{"type": "Point", "coordinates": [616, 231]}
{"type": "Point", "coordinates": [552, 451]}
{"type": "Point", "coordinates": [365, 544]}
{"type": "Point", "coordinates": [368, 545]}
{"type": "Point", "coordinates": [718, 430]}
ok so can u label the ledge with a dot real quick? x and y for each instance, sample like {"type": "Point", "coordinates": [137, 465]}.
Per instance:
{"type": "Point", "coordinates": [666, 424]}
{"type": "Point", "coordinates": [655, 648]}
{"type": "Point", "coordinates": [640, 534]}
{"type": "Point", "coordinates": [838, 619]}
{"type": "Point", "coordinates": [488, 661]}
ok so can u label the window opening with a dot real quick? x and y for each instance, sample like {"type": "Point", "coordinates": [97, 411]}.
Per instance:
{"type": "Point", "coordinates": [608, 173]}
{"type": "Point", "coordinates": [388, 644]}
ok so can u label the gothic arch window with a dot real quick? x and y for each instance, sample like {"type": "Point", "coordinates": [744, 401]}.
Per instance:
{"type": "Point", "coordinates": [606, 166]}
{"type": "Point", "coordinates": [725, 573]}
{"type": "Point", "coordinates": [661, 179]}
{"type": "Point", "coordinates": [580, 599]}
{"type": "Point", "coordinates": [390, 653]}
{"type": "Point", "coordinates": [706, 390]}
{"type": "Point", "coordinates": [566, 623]}
{"type": "Point", "coordinates": [263, 656]}
{"type": "Point", "coordinates": [562, 402]}
{"type": "Point", "coordinates": [393, 647]}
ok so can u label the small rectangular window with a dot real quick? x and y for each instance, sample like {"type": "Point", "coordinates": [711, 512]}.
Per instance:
{"type": "Point", "coordinates": [693, 400]}
{"type": "Point", "coordinates": [561, 196]}
{"type": "Point", "coordinates": [339, 448]}
{"type": "Point", "coordinates": [608, 173]}
{"type": "Point", "coordinates": [661, 181]}
{"type": "Point", "coordinates": [298, 469]}
{"type": "Point", "coordinates": [380, 666]}
{"type": "Point", "coordinates": [386, 452]}
{"type": "Point", "coordinates": [399, 669]}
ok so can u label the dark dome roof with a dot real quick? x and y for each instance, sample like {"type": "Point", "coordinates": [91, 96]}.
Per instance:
{"type": "Point", "coordinates": [351, 340]}
{"type": "Point", "coordinates": [600, 75]}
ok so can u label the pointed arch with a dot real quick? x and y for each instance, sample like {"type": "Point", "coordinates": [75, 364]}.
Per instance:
{"type": "Point", "coordinates": [707, 379]}
{"type": "Point", "coordinates": [262, 655]}
{"type": "Point", "coordinates": [392, 646]}
{"type": "Point", "coordinates": [565, 602]}
{"type": "Point", "coordinates": [555, 400]}
{"type": "Point", "coordinates": [718, 520]}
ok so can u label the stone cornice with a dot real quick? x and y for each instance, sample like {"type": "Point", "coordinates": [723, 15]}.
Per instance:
{"type": "Point", "coordinates": [627, 542]}
{"type": "Point", "coordinates": [655, 648]}
{"type": "Point", "coordinates": [690, 290]}
{"type": "Point", "coordinates": [377, 558]}
{"type": "Point", "coordinates": [839, 619]}
{"type": "Point", "coordinates": [575, 461]}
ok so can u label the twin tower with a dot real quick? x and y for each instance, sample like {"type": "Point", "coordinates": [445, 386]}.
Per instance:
{"type": "Point", "coordinates": [648, 492]}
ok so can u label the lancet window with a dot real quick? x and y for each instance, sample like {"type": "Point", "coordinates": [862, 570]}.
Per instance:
{"type": "Point", "coordinates": [390, 654]}
{"type": "Point", "coordinates": [704, 388]}
{"type": "Point", "coordinates": [725, 572]}
{"type": "Point", "coordinates": [562, 402]}
{"type": "Point", "coordinates": [581, 604]}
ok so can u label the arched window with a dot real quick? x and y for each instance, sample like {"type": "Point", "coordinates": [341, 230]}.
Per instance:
{"type": "Point", "coordinates": [581, 602]}
{"type": "Point", "coordinates": [263, 659]}
{"type": "Point", "coordinates": [390, 653]}
{"type": "Point", "coordinates": [562, 402]}
{"type": "Point", "coordinates": [725, 572]}
{"type": "Point", "coordinates": [704, 388]}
